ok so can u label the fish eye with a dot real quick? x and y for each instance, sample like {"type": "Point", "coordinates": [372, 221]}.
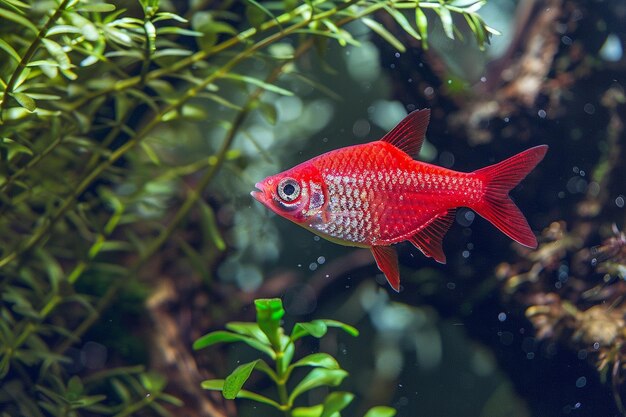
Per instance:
{"type": "Point", "coordinates": [288, 189]}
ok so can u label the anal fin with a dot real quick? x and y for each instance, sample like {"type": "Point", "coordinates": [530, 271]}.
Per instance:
{"type": "Point", "coordinates": [429, 238]}
{"type": "Point", "coordinates": [387, 261]}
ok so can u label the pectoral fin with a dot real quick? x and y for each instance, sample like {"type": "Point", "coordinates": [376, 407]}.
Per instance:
{"type": "Point", "coordinates": [429, 239]}
{"type": "Point", "coordinates": [387, 261]}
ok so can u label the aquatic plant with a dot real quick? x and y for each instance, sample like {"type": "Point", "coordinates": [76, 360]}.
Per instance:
{"type": "Point", "coordinates": [268, 337]}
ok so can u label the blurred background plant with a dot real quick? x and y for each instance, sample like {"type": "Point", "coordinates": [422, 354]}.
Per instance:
{"type": "Point", "coordinates": [131, 133]}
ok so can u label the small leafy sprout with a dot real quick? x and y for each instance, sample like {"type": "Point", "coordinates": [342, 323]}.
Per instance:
{"type": "Point", "coordinates": [269, 337]}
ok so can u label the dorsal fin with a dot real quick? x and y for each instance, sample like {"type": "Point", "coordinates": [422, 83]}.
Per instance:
{"type": "Point", "coordinates": [408, 135]}
{"type": "Point", "coordinates": [429, 238]}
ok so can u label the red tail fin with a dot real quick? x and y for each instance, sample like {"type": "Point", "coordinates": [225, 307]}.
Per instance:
{"type": "Point", "coordinates": [496, 206]}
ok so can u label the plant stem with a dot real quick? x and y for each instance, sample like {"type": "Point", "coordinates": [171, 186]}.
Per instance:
{"type": "Point", "coordinates": [281, 384]}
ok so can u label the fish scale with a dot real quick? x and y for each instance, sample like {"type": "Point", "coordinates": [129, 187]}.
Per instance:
{"type": "Point", "coordinates": [376, 194]}
{"type": "Point", "coordinates": [399, 191]}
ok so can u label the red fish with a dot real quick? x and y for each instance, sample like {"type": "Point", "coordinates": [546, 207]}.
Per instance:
{"type": "Point", "coordinates": [374, 195]}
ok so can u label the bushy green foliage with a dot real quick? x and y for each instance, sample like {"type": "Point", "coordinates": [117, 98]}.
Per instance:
{"type": "Point", "coordinates": [114, 119]}
{"type": "Point", "coordinates": [270, 338]}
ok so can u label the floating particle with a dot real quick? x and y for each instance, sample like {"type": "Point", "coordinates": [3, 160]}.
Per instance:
{"type": "Point", "coordinates": [589, 108]}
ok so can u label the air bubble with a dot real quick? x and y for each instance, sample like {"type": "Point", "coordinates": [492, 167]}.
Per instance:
{"type": "Point", "coordinates": [542, 113]}
{"type": "Point", "coordinates": [619, 201]}
{"type": "Point", "coordinates": [502, 316]}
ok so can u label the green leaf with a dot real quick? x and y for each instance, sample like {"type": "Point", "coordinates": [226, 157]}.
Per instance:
{"type": "Point", "coordinates": [248, 329]}
{"type": "Point", "coordinates": [381, 411]}
{"type": "Point", "coordinates": [17, 4]}
{"type": "Point", "coordinates": [446, 21]}
{"type": "Point", "coordinates": [222, 336]}
{"type": "Point", "coordinates": [168, 15]}
{"type": "Point", "coordinates": [321, 360]}
{"type": "Point", "coordinates": [38, 96]}
{"type": "Point", "coordinates": [221, 100]}
{"type": "Point", "coordinates": [384, 33]}
{"type": "Point", "coordinates": [210, 225]}
{"type": "Point", "coordinates": [62, 29]}
{"type": "Point", "coordinates": [88, 401]}
{"type": "Point", "coordinates": [352, 331]}
{"type": "Point", "coordinates": [269, 312]}
{"type": "Point", "coordinates": [314, 411]}
{"type": "Point", "coordinates": [152, 155]}
{"type": "Point", "coordinates": [96, 7]}
{"type": "Point", "coordinates": [403, 22]}
{"type": "Point", "coordinates": [262, 8]}
{"type": "Point", "coordinates": [57, 53]}
{"type": "Point", "coordinates": [213, 384]}
{"type": "Point", "coordinates": [9, 50]}
{"type": "Point", "coordinates": [15, 148]}
{"type": "Point", "coordinates": [341, 37]}
{"type": "Point", "coordinates": [171, 52]}
{"type": "Point", "coordinates": [318, 377]}
{"type": "Point", "coordinates": [254, 16]}
{"type": "Point", "coordinates": [268, 110]}
{"type": "Point", "coordinates": [218, 385]}
{"type": "Point", "coordinates": [468, 6]}
{"type": "Point", "coordinates": [335, 402]}
{"type": "Point", "coordinates": [153, 381]}
{"type": "Point", "coordinates": [175, 30]}
{"type": "Point", "coordinates": [16, 18]}
{"type": "Point", "coordinates": [150, 31]}
{"type": "Point", "coordinates": [234, 382]}
{"type": "Point", "coordinates": [259, 83]}
{"type": "Point", "coordinates": [318, 328]}
{"type": "Point", "coordinates": [25, 101]}
{"type": "Point", "coordinates": [422, 25]}
{"type": "Point", "coordinates": [262, 366]}
{"type": "Point", "coordinates": [315, 328]}
{"type": "Point", "coordinates": [282, 363]}
{"type": "Point", "coordinates": [478, 30]}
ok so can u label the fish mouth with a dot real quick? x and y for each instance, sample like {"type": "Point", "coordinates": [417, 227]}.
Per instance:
{"type": "Point", "coordinates": [259, 193]}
